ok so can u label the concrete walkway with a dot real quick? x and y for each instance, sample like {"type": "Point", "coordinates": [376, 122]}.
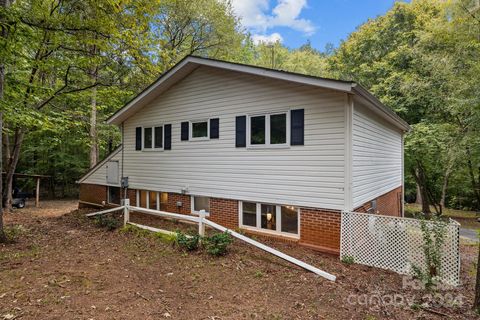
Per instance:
{"type": "Point", "coordinates": [470, 234]}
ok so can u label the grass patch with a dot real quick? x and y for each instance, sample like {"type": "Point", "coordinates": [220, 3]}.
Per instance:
{"type": "Point", "coordinates": [13, 255]}
{"type": "Point", "coordinates": [412, 208]}
{"type": "Point", "coordinates": [14, 232]}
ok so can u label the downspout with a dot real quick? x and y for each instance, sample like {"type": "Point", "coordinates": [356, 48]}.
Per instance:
{"type": "Point", "coordinates": [402, 199]}
{"type": "Point", "coordinates": [348, 195]}
{"type": "Point", "coordinates": [125, 190]}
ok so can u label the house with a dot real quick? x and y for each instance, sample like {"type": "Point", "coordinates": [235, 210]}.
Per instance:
{"type": "Point", "coordinates": [267, 151]}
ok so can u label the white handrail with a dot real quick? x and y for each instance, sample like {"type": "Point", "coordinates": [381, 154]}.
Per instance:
{"type": "Point", "coordinates": [275, 252]}
{"type": "Point", "coordinates": [105, 211]}
{"type": "Point", "coordinates": [201, 221]}
{"type": "Point", "coordinates": [165, 214]}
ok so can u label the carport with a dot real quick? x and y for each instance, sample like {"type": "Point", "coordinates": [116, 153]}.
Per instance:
{"type": "Point", "coordinates": [37, 178]}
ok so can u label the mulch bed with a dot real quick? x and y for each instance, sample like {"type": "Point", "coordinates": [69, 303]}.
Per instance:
{"type": "Point", "coordinates": [64, 267]}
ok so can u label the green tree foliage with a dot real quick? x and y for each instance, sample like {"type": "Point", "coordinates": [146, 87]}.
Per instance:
{"type": "Point", "coordinates": [422, 60]}
{"type": "Point", "coordinates": [305, 59]}
{"type": "Point", "coordinates": [62, 55]}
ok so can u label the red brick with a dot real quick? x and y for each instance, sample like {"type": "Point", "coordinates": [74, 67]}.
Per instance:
{"type": "Point", "coordinates": [389, 204]}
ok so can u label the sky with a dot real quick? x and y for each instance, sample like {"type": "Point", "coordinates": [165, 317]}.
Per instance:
{"type": "Point", "coordinates": [294, 22]}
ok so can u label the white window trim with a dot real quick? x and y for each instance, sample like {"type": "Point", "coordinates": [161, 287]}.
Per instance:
{"type": "Point", "coordinates": [153, 138]}
{"type": "Point", "coordinates": [147, 199]}
{"type": "Point", "coordinates": [192, 205]}
{"type": "Point", "coordinates": [278, 215]}
{"type": "Point", "coordinates": [267, 131]}
{"type": "Point", "coordinates": [190, 130]}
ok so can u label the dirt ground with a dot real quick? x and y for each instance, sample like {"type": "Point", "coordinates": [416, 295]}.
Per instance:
{"type": "Point", "coordinates": [63, 266]}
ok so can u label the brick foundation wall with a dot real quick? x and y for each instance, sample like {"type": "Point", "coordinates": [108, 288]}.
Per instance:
{"type": "Point", "coordinates": [224, 212]}
{"type": "Point", "coordinates": [92, 193]}
{"type": "Point", "coordinates": [320, 229]}
{"type": "Point", "coordinates": [173, 198]}
{"type": "Point", "coordinates": [389, 204]}
{"type": "Point", "coordinates": [95, 194]}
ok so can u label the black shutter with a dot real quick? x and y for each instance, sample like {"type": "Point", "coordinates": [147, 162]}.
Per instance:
{"type": "Point", "coordinates": [297, 124]}
{"type": "Point", "coordinates": [168, 137]}
{"type": "Point", "coordinates": [138, 138]}
{"type": "Point", "coordinates": [214, 128]}
{"type": "Point", "coordinates": [184, 135]}
{"type": "Point", "coordinates": [241, 131]}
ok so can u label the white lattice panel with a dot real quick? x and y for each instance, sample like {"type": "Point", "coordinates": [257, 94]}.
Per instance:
{"type": "Point", "coordinates": [395, 243]}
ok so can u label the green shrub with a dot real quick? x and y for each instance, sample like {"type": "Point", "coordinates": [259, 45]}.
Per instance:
{"type": "Point", "coordinates": [217, 244]}
{"type": "Point", "coordinates": [348, 259]}
{"type": "Point", "coordinates": [108, 222]}
{"type": "Point", "coordinates": [187, 242]}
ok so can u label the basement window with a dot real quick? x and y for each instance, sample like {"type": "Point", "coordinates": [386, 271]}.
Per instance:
{"type": "Point", "coordinates": [269, 218]}
{"type": "Point", "coordinates": [200, 203]}
{"type": "Point", "coordinates": [152, 200]}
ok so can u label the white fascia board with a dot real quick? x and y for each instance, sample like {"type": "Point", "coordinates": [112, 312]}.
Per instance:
{"type": "Point", "coordinates": [186, 66]}
{"type": "Point", "coordinates": [379, 108]}
{"type": "Point", "coordinates": [99, 164]}
{"type": "Point", "coordinates": [163, 83]}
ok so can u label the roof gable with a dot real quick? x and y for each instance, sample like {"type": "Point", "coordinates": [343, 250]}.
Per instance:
{"type": "Point", "coordinates": [191, 63]}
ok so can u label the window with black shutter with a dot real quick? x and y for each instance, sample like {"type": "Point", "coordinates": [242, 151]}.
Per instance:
{"type": "Point", "coordinates": [241, 131]}
{"type": "Point", "coordinates": [167, 144]}
{"type": "Point", "coordinates": [268, 130]}
{"type": "Point", "coordinates": [138, 138]}
{"type": "Point", "coordinates": [153, 138]}
{"type": "Point", "coordinates": [184, 129]}
{"type": "Point", "coordinates": [214, 128]}
{"type": "Point", "coordinates": [297, 123]}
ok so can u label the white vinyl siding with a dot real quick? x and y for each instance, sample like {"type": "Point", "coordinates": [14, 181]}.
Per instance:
{"type": "Point", "coordinates": [310, 175]}
{"type": "Point", "coordinates": [100, 174]}
{"type": "Point", "coordinates": [376, 155]}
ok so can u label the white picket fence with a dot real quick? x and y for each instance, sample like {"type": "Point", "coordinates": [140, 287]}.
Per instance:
{"type": "Point", "coordinates": [395, 243]}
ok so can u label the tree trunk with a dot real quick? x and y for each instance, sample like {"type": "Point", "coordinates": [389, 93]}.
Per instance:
{"type": "Point", "coordinates": [473, 181]}
{"type": "Point", "coordinates": [421, 181]}
{"type": "Point", "coordinates": [476, 303]}
{"type": "Point", "coordinates": [3, 237]}
{"type": "Point", "coordinates": [11, 167]}
{"type": "Point", "coordinates": [445, 186]}
{"type": "Point", "coordinates": [93, 114]}
{"type": "Point", "coordinates": [418, 198]}
{"type": "Point", "coordinates": [93, 130]}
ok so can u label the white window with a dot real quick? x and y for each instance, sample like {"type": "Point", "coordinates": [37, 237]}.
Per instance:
{"type": "Point", "coordinates": [153, 138]}
{"type": "Point", "coordinates": [269, 218]}
{"type": "Point", "coordinates": [152, 200]}
{"type": "Point", "coordinates": [200, 203]}
{"type": "Point", "coordinates": [199, 130]}
{"type": "Point", "coordinates": [268, 130]}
